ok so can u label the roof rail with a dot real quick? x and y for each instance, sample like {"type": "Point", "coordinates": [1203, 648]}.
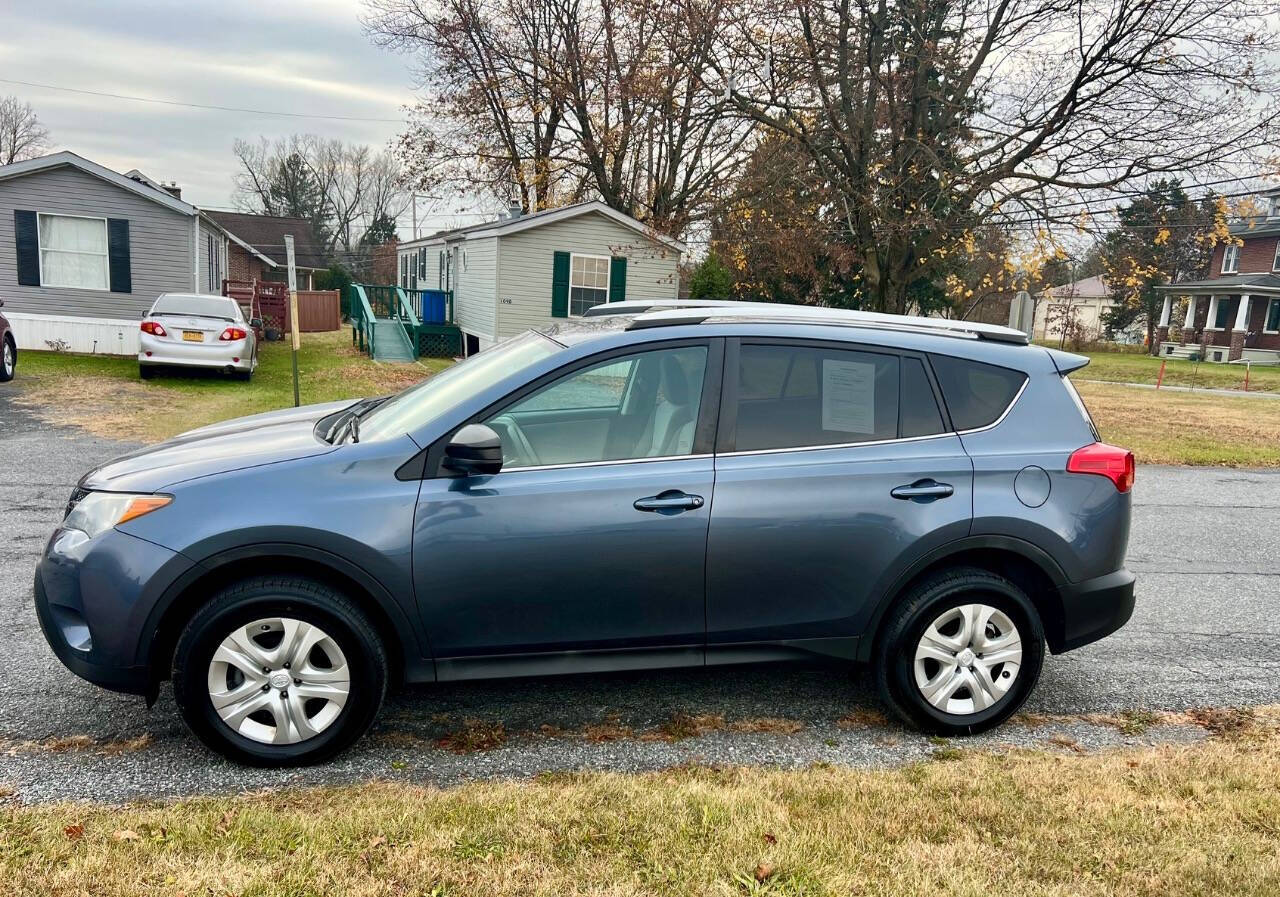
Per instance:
{"type": "Point", "coordinates": [640, 306]}
{"type": "Point", "coordinates": [768, 312]}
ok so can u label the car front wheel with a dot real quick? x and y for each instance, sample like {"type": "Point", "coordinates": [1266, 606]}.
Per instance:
{"type": "Point", "coordinates": [279, 671]}
{"type": "Point", "coordinates": [8, 359]}
{"type": "Point", "coordinates": [960, 653]}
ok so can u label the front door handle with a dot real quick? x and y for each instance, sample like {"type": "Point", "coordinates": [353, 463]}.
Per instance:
{"type": "Point", "coordinates": [923, 491]}
{"type": "Point", "coordinates": [673, 501]}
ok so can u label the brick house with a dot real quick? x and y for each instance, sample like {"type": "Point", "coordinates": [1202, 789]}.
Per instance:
{"type": "Point", "coordinates": [1234, 313]}
{"type": "Point", "coordinates": [254, 247]}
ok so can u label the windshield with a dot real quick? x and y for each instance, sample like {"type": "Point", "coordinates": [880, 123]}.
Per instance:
{"type": "Point", "coordinates": [434, 396]}
{"type": "Point", "coordinates": [203, 306]}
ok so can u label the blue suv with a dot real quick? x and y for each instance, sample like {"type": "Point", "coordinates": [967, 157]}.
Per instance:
{"type": "Point", "coordinates": [646, 487]}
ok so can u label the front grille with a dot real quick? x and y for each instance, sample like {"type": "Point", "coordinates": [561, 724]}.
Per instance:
{"type": "Point", "coordinates": [76, 495]}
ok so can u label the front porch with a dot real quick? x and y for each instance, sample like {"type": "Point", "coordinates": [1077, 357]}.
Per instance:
{"type": "Point", "coordinates": [1221, 326]}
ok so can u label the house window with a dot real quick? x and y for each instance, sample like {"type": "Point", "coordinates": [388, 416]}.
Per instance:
{"type": "Point", "coordinates": [1272, 324]}
{"type": "Point", "coordinates": [588, 282]}
{"type": "Point", "coordinates": [1275, 264]}
{"type": "Point", "coordinates": [73, 252]}
{"type": "Point", "coordinates": [1223, 315]}
{"type": "Point", "coordinates": [215, 263]}
{"type": "Point", "coordinates": [1230, 258]}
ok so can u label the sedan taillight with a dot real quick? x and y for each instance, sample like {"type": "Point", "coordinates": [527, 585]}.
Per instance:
{"type": "Point", "coordinates": [1100, 459]}
{"type": "Point", "coordinates": [231, 334]}
{"type": "Point", "coordinates": [153, 328]}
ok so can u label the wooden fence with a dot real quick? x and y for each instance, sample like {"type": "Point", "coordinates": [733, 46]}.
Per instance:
{"type": "Point", "coordinates": [319, 311]}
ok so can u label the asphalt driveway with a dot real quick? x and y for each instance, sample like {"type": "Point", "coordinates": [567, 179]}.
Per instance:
{"type": "Point", "coordinates": [1205, 543]}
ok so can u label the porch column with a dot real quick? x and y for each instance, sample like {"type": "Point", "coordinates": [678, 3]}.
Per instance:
{"type": "Point", "coordinates": [1241, 330]}
{"type": "Point", "coordinates": [1162, 331]}
{"type": "Point", "coordinates": [1206, 335]}
{"type": "Point", "coordinates": [1189, 321]}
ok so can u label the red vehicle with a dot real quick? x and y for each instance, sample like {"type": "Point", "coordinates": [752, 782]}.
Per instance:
{"type": "Point", "coordinates": [8, 349]}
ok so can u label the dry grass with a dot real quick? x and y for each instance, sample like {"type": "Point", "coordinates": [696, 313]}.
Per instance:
{"type": "Point", "coordinates": [1163, 427]}
{"type": "Point", "coordinates": [1202, 820]}
{"type": "Point", "coordinates": [475, 735]}
{"type": "Point", "coordinates": [105, 395]}
{"type": "Point", "coordinates": [62, 744]}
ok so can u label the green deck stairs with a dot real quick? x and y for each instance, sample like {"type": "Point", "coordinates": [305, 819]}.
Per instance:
{"type": "Point", "coordinates": [396, 325]}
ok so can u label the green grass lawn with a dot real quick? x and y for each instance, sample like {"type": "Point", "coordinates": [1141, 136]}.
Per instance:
{"type": "Point", "coordinates": [1134, 368]}
{"type": "Point", "coordinates": [106, 396]}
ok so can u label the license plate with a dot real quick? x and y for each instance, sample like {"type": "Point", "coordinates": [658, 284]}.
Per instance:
{"type": "Point", "coordinates": [193, 336]}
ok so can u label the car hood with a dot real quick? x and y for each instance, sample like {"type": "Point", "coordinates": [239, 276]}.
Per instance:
{"type": "Point", "coordinates": [231, 445]}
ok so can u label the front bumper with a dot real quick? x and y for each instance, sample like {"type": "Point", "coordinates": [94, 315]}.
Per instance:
{"type": "Point", "coordinates": [93, 598]}
{"type": "Point", "coordinates": [1095, 608]}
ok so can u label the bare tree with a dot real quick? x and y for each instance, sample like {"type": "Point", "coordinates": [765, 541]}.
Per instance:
{"type": "Point", "coordinates": [21, 134]}
{"type": "Point", "coordinates": [343, 189]}
{"type": "Point", "coordinates": [569, 99]}
{"type": "Point", "coordinates": [930, 118]}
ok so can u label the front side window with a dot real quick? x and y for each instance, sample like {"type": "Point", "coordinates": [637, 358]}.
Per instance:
{"type": "Point", "coordinates": [1230, 259]}
{"type": "Point", "coordinates": [803, 396]}
{"type": "Point", "coordinates": [588, 282]}
{"type": "Point", "coordinates": [73, 252]}
{"type": "Point", "coordinates": [632, 407]}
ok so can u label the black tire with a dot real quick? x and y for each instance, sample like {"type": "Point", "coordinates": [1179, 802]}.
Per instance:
{"type": "Point", "coordinates": [7, 372]}
{"type": "Point", "coordinates": [894, 658]}
{"type": "Point", "coordinates": [301, 599]}
{"type": "Point", "coordinates": [146, 371]}
{"type": "Point", "coordinates": [245, 376]}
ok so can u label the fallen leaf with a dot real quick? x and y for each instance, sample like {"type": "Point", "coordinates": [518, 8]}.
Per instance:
{"type": "Point", "coordinates": [377, 842]}
{"type": "Point", "coordinates": [74, 831]}
{"type": "Point", "coordinates": [125, 834]}
{"type": "Point", "coordinates": [763, 871]}
{"type": "Point", "coordinates": [770, 838]}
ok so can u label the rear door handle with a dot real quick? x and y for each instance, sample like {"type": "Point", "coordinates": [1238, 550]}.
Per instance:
{"type": "Point", "coordinates": [923, 491]}
{"type": "Point", "coordinates": [670, 502]}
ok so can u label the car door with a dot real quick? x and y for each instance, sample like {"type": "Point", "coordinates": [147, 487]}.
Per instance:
{"type": "Point", "coordinates": [835, 467]}
{"type": "Point", "coordinates": [592, 538]}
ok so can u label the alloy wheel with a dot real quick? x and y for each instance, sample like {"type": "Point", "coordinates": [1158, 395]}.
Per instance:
{"type": "Point", "coordinates": [967, 659]}
{"type": "Point", "coordinates": [278, 680]}
{"type": "Point", "coordinates": [8, 358]}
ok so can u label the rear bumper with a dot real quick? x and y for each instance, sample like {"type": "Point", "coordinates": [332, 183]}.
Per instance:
{"type": "Point", "coordinates": [1095, 608]}
{"type": "Point", "coordinates": [214, 355]}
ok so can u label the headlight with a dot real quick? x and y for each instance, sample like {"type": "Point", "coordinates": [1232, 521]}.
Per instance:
{"type": "Point", "coordinates": [97, 512]}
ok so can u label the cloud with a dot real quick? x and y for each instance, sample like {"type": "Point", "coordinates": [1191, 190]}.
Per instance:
{"type": "Point", "coordinates": [284, 55]}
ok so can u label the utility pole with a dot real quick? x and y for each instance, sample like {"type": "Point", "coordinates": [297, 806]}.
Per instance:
{"type": "Point", "coordinates": [295, 337]}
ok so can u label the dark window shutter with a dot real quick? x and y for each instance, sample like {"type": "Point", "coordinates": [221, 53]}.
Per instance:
{"type": "Point", "coordinates": [27, 237]}
{"type": "Point", "coordinates": [617, 279]}
{"type": "Point", "coordinates": [118, 255]}
{"type": "Point", "coordinates": [560, 285]}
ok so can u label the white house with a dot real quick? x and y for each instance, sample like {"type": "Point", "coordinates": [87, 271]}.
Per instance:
{"type": "Point", "coordinates": [525, 271]}
{"type": "Point", "coordinates": [1088, 299]}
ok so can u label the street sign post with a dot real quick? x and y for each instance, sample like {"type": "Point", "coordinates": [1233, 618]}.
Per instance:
{"type": "Point", "coordinates": [294, 336]}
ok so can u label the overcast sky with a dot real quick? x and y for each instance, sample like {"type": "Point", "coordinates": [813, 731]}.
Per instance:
{"type": "Point", "coordinates": [306, 56]}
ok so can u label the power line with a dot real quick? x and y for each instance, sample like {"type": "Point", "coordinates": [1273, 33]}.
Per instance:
{"type": "Point", "coordinates": [210, 107]}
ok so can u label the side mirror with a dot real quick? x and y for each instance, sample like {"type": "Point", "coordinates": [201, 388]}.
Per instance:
{"type": "Point", "coordinates": [475, 449]}
{"type": "Point", "coordinates": [255, 323]}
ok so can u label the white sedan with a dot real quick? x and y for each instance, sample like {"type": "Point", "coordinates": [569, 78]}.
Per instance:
{"type": "Point", "coordinates": [202, 331]}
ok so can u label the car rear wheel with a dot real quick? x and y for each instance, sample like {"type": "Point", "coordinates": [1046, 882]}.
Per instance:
{"type": "Point", "coordinates": [960, 653]}
{"type": "Point", "coordinates": [8, 359]}
{"type": "Point", "coordinates": [279, 671]}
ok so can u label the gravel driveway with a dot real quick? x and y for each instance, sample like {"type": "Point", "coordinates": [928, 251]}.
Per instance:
{"type": "Point", "coordinates": [1205, 543]}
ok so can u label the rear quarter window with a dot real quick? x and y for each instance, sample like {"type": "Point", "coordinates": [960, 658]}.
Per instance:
{"type": "Point", "coordinates": [976, 393]}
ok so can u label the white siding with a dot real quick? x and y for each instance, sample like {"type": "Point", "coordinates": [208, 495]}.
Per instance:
{"type": "Point", "coordinates": [475, 281]}
{"type": "Point", "coordinates": [98, 336]}
{"type": "Point", "coordinates": [524, 283]}
{"type": "Point", "coordinates": [159, 245]}
{"type": "Point", "coordinates": [213, 266]}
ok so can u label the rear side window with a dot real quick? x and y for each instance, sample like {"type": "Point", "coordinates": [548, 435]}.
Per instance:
{"type": "Point", "coordinates": [799, 396]}
{"type": "Point", "coordinates": [918, 413]}
{"type": "Point", "coordinates": [976, 393]}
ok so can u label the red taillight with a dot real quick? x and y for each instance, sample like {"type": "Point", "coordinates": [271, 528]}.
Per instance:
{"type": "Point", "coordinates": [1100, 459]}
{"type": "Point", "coordinates": [152, 328]}
{"type": "Point", "coordinates": [231, 334]}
